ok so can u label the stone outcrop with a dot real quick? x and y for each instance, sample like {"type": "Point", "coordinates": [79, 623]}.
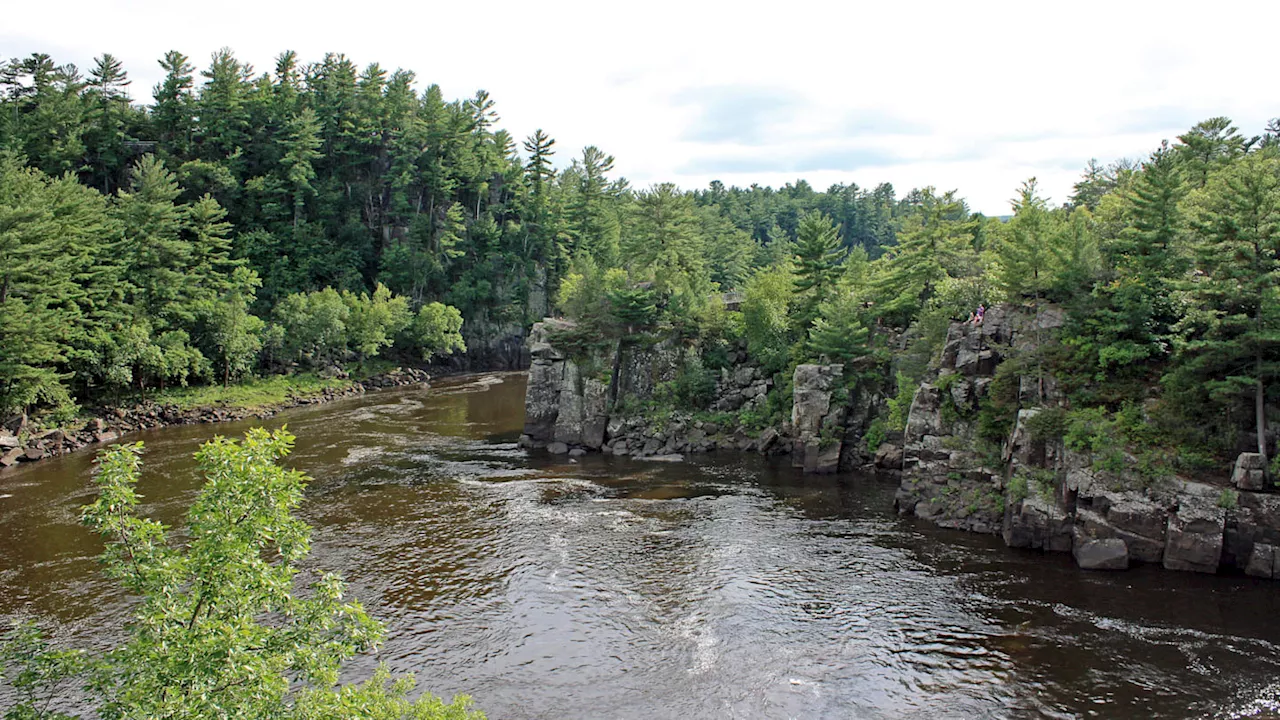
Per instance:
{"type": "Point", "coordinates": [589, 410]}
{"type": "Point", "coordinates": [944, 477]}
{"type": "Point", "coordinates": [567, 406]}
{"type": "Point", "coordinates": [816, 424]}
{"type": "Point", "coordinates": [1053, 499]}
{"type": "Point", "coordinates": [1250, 472]}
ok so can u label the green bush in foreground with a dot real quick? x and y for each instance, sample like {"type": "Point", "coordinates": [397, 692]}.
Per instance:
{"type": "Point", "coordinates": [219, 629]}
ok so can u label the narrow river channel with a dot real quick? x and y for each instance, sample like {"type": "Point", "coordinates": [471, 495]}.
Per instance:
{"type": "Point", "coordinates": [726, 586]}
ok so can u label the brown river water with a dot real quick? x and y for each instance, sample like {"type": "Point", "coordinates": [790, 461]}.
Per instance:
{"type": "Point", "coordinates": [726, 586]}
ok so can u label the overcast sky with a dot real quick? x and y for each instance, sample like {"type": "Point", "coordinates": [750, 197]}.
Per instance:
{"type": "Point", "coordinates": [973, 96]}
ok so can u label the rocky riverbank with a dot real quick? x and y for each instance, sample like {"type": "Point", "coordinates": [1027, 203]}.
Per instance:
{"type": "Point", "coordinates": [19, 443]}
{"type": "Point", "coordinates": [1029, 488]}
{"type": "Point", "coordinates": [572, 410]}
{"type": "Point", "coordinates": [1037, 493]}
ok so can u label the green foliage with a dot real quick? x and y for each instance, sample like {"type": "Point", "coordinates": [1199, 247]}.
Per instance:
{"type": "Point", "coordinates": [436, 330]}
{"type": "Point", "coordinates": [935, 243]}
{"type": "Point", "coordinates": [222, 625]}
{"type": "Point", "coordinates": [875, 435]}
{"type": "Point", "coordinates": [900, 404]}
{"type": "Point", "coordinates": [839, 332]}
{"type": "Point", "coordinates": [37, 672]}
{"type": "Point", "coordinates": [766, 317]}
{"type": "Point", "coordinates": [1048, 424]}
{"type": "Point", "coordinates": [818, 256]}
{"type": "Point", "coordinates": [1228, 499]}
{"type": "Point", "coordinates": [1018, 488]}
{"type": "Point", "coordinates": [998, 411]}
{"type": "Point", "coordinates": [694, 386]}
{"type": "Point", "coordinates": [118, 270]}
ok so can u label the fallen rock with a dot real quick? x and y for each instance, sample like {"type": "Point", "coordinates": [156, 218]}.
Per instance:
{"type": "Point", "coordinates": [672, 457]}
{"type": "Point", "coordinates": [1250, 472]}
{"type": "Point", "coordinates": [889, 457]}
{"type": "Point", "coordinates": [1105, 554]}
{"type": "Point", "coordinates": [767, 439]}
{"type": "Point", "coordinates": [577, 452]}
{"type": "Point", "coordinates": [557, 448]}
{"type": "Point", "coordinates": [33, 453]}
{"type": "Point", "coordinates": [11, 457]}
{"type": "Point", "coordinates": [8, 442]}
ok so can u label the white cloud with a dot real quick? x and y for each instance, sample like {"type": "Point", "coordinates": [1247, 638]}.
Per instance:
{"type": "Point", "coordinates": [971, 96]}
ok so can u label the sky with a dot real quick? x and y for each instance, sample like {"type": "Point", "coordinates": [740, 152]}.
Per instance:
{"type": "Point", "coordinates": [971, 96]}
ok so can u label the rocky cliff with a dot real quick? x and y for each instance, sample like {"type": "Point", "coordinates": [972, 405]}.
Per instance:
{"type": "Point", "coordinates": [1036, 493]}
{"type": "Point", "coordinates": [570, 408]}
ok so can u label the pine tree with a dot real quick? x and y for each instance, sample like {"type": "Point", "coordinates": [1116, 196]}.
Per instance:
{"type": "Point", "coordinates": [173, 115]}
{"type": "Point", "coordinates": [153, 251]}
{"type": "Point", "coordinates": [50, 230]}
{"type": "Point", "coordinates": [300, 149]}
{"type": "Point", "coordinates": [839, 332]}
{"type": "Point", "coordinates": [1028, 256]}
{"type": "Point", "coordinates": [1233, 342]}
{"type": "Point", "coordinates": [935, 240]}
{"type": "Point", "coordinates": [108, 114]}
{"type": "Point", "coordinates": [817, 265]}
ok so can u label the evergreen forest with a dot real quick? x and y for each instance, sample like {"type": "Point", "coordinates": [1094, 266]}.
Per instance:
{"type": "Point", "coordinates": [318, 213]}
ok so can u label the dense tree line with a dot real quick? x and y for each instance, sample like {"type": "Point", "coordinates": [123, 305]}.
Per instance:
{"type": "Point", "coordinates": [184, 241]}
{"type": "Point", "coordinates": [1168, 268]}
{"type": "Point", "coordinates": [320, 212]}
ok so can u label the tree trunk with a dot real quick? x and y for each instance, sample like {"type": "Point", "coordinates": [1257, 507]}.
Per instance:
{"type": "Point", "coordinates": [1260, 392]}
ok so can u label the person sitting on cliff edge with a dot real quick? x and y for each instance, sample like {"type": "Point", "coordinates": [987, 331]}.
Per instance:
{"type": "Point", "coordinates": [976, 317]}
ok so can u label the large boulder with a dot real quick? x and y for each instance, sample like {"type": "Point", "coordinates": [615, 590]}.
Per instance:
{"type": "Point", "coordinates": [11, 456]}
{"type": "Point", "coordinates": [1104, 554]}
{"type": "Point", "coordinates": [1250, 472]}
{"type": "Point", "coordinates": [889, 457]}
{"type": "Point", "coordinates": [8, 441]}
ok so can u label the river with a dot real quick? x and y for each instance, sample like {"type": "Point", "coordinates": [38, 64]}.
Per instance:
{"type": "Point", "coordinates": [726, 586]}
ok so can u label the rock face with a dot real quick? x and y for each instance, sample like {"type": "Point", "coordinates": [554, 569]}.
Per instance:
{"type": "Point", "coordinates": [1053, 499]}
{"type": "Point", "coordinates": [546, 381]}
{"type": "Point", "coordinates": [944, 476]}
{"type": "Point", "coordinates": [813, 420]}
{"type": "Point", "coordinates": [567, 404]}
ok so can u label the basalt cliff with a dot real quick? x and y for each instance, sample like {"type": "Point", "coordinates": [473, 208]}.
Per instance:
{"type": "Point", "coordinates": [1028, 487]}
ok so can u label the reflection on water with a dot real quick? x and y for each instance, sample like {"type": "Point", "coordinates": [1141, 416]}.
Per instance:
{"type": "Point", "coordinates": [725, 586]}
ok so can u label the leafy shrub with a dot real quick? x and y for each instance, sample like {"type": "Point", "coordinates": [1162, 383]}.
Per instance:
{"type": "Point", "coordinates": [875, 435]}
{"type": "Point", "coordinates": [694, 386]}
{"type": "Point", "coordinates": [1048, 424]}
{"type": "Point", "coordinates": [900, 403]}
{"type": "Point", "coordinates": [1017, 488]}
{"type": "Point", "coordinates": [222, 624]}
{"type": "Point", "coordinates": [1228, 499]}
